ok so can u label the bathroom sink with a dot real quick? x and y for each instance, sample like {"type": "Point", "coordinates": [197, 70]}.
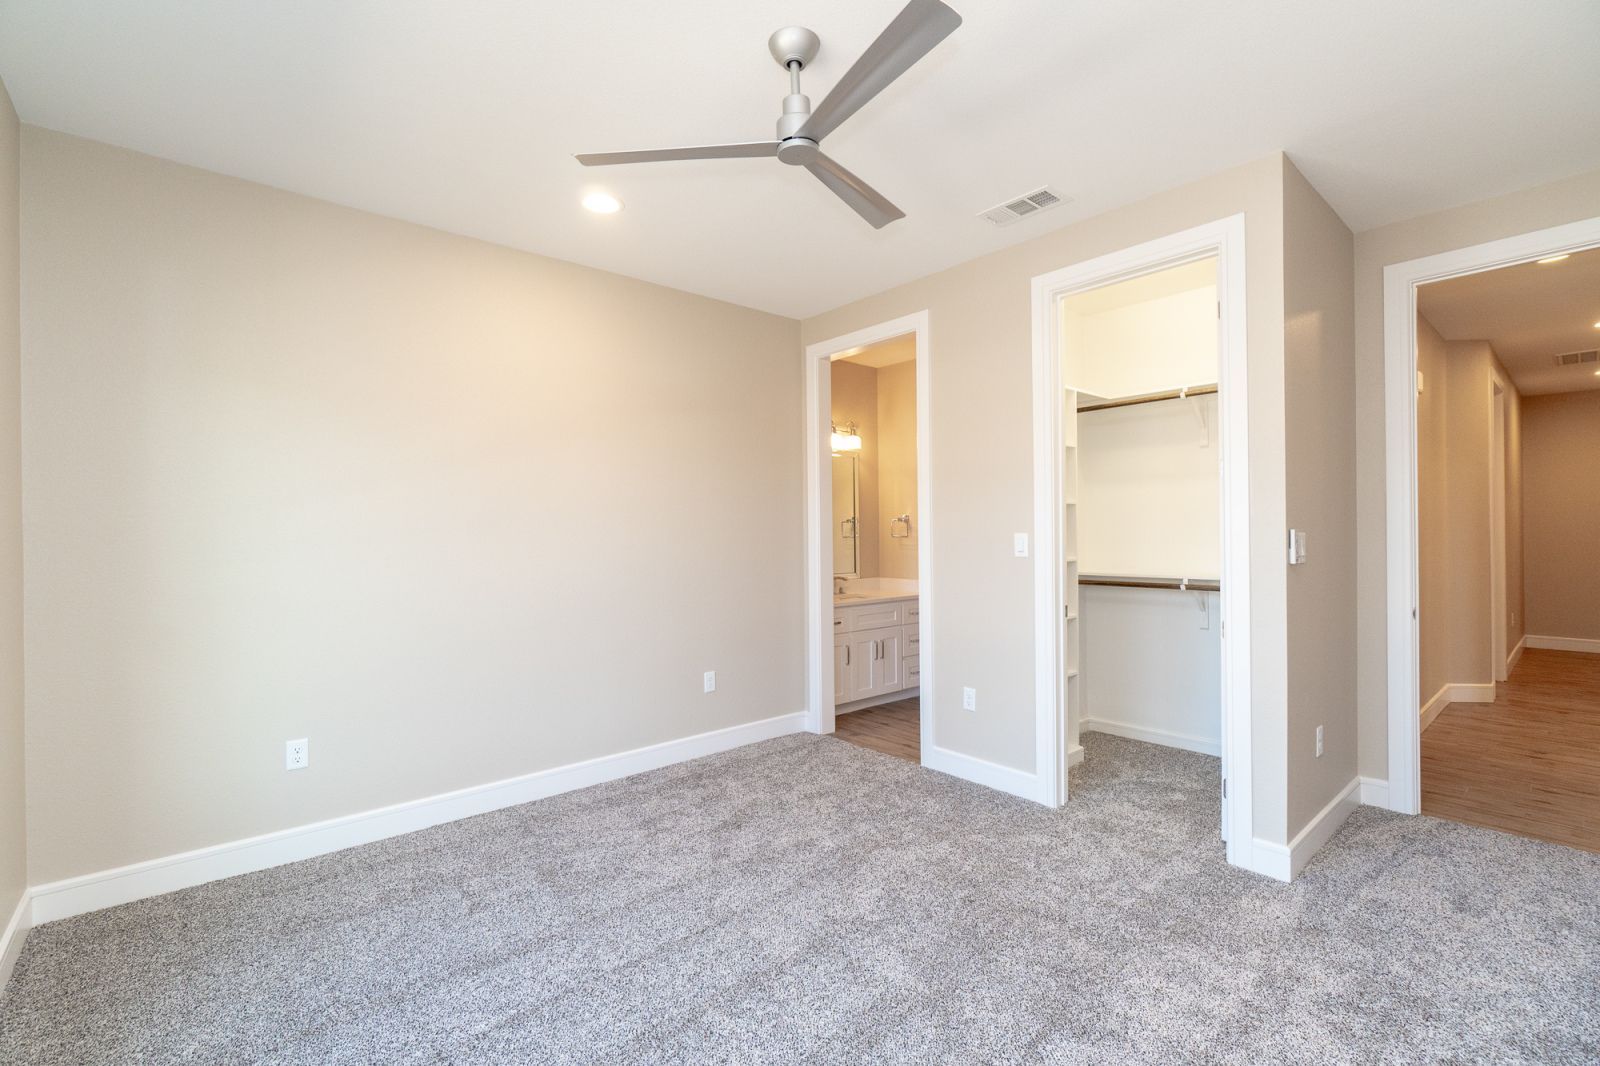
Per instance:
{"type": "Point", "coordinates": [847, 597]}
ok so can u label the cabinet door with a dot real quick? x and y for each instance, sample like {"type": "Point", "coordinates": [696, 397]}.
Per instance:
{"type": "Point", "coordinates": [842, 659]}
{"type": "Point", "coordinates": [862, 648]}
{"type": "Point", "coordinates": [887, 668]}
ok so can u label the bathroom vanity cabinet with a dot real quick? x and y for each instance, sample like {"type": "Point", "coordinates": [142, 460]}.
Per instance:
{"type": "Point", "coordinates": [875, 650]}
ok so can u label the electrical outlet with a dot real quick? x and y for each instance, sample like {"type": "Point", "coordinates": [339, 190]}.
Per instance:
{"type": "Point", "coordinates": [297, 754]}
{"type": "Point", "coordinates": [711, 681]}
{"type": "Point", "coordinates": [969, 699]}
{"type": "Point", "coordinates": [1319, 742]}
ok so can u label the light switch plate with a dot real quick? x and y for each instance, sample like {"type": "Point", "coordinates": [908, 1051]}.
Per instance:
{"type": "Point", "coordinates": [1019, 545]}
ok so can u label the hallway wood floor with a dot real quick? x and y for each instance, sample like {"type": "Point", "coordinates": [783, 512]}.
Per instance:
{"type": "Point", "coordinates": [1528, 763]}
{"type": "Point", "coordinates": [892, 728]}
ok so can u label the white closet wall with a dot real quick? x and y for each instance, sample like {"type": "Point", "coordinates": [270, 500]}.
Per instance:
{"type": "Point", "coordinates": [1152, 665]}
{"type": "Point", "coordinates": [1148, 497]}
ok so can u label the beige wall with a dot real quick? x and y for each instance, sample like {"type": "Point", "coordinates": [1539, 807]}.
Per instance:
{"type": "Point", "coordinates": [1547, 205]}
{"type": "Point", "coordinates": [1561, 438]}
{"type": "Point", "coordinates": [1433, 514]}
{"type": "Point", "coordinates": [1454, 486]}
{"type": "Point", "coordinates": [855, 399]}
{"type": "Point", "coordinates": [1319, 394]}
{"type": "Point", "coordinates": [981, 366]}
{"type": "Point", "coordinates": [453, 512]}
{"type": "Point", "coordinates": [13, 837]}
{"type": "Point", "coordinates": [897, 468]}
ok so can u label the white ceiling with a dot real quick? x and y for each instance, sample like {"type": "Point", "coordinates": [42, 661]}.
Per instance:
{"type": "Point", "coordinates": [465, 115]}
{"type": "Point", "coordinates": [1529, 313]}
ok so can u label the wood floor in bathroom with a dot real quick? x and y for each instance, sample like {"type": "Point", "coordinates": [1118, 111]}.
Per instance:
{"type": "Point", "coordinates": [892, 728]}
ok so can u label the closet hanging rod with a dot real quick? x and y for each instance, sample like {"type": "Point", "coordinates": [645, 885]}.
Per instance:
{"type": "Point", "coordinates": [1177, 584]}
{"type": "Point", "coordinates": [1153, 397]}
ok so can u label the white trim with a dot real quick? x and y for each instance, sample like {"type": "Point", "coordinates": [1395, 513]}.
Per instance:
{"type": "Point", "coordinates": [1203, 745]}
{"type": "Point", "coordinates": [981, 772]}
{"type": "Point", "coordinates": [1285, 862]}
{"type": "Point", "coordinates": [1516, 656]}
{"type": "Point", "coordinates": [12, 939]}
{"type": "Point", "coordinates": [1562, 644]}
{"type": "Point", "coordinates": [1400, 281]}
{"type": "Point", "coordinates": [109, 888]}
{"type": "Point", "coordinates": [1074, 755]}
{"type": "Point", "coordinates": [1461, 692]}
{"type": "Point", "coordinates": [1436, 703]}
{"type": "Point", "coordinates": [1473, 692]}
{"type": "Point", "coordinates": [1499, 426]}
{"type": "Point", "coordinates": [1374, 792]}
{"type": "Point", "coordinates": [1225, 239]}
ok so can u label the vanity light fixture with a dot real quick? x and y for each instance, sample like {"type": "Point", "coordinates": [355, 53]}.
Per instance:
{"type": "Point", "coordinates": [847, 441]}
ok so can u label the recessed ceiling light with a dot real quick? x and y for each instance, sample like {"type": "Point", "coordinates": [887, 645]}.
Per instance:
{"type": "Point", "coordinates": [1554, 258]}
{"type": "Point", "coordinates": [602, 203]}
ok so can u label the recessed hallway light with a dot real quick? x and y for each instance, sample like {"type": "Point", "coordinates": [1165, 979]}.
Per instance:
{"type": "Point", "coordinates": [602, 203]}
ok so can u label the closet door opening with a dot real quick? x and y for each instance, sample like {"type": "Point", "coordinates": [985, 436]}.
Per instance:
{"type": "Point", "coordinates": [1141, 521]}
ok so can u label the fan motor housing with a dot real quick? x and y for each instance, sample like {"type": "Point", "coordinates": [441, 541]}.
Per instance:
{"type": "Point", "coordinates": [794, 44]}
{"type": "Point", "coordinates": [798, 151]}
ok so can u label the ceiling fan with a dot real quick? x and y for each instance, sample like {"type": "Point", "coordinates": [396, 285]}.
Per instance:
{"type": "Point", "coordinates": [912, 35]}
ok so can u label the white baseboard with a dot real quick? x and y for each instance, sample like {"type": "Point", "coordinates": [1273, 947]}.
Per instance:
{"type": "Point", "coordinates": [982, 772]}
{"type": "Point", "coordinates": [11, 940]}
{"type": "Point", "coordinates": [1203, 745]}
{"type": "Point", "coordinates": [1457, 693]}
{"type": "Point", "coordinates": [1375, 792]}
{"type": "Point", "coordinates": [90, 892]}
{"type": "Point", "coordinates": [1284, 862]}
{"type": "Point", "coordinates": [1515, 656]}
{"type": "Point", "coordinates": [1074, 755]}
{"type": "Point", "coordinates": [1563, 644]}
{"type": "Point", "coordinates": [1435, 704]}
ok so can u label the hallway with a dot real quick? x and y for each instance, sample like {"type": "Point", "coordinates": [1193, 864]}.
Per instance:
{"type": "Point", "coordinates": [1528, 763]}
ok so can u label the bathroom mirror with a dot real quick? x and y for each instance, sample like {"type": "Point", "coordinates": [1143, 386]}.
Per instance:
{"type": "Point", "coordinates": [846, 558]}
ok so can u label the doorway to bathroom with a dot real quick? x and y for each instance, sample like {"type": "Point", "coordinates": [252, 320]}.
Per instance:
{"type": "Point", "coordinates": [877, 639]}
{"type": "Point", "coordinates": [869, 628]}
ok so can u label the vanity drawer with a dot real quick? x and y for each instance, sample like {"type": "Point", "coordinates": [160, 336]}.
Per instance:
{"type": "Point", "coordinates": [875, 616]}
{"type": "Point", "coordinates": [913, 612]}
{"type": "Point", "coordinates": [913, 638]}
{"type": "Point", "coordinates": [913, 671]}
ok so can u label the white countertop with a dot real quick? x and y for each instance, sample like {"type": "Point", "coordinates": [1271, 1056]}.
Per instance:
{"type": "Point", "coordinates": [876, 590]}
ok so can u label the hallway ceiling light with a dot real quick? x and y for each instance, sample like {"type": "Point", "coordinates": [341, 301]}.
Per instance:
{"type": "Point", "coordinates": [1554, 258]}
{"type": "Point", "coordinates": [602, 203]}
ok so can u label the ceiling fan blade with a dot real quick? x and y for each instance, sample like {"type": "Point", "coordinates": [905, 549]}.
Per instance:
{"type": "Point", "coordinates": [912, 35]}
{"type": "Point", "coordinates": [863, 199]}
{"type": "Point", "coordinates": [748, 150]}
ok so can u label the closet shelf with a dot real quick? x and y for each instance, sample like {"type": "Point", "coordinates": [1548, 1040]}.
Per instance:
{"type": "Point", "coordinates": [1179, 584]}
{"type": "Point", "coordinates": [1152, 397]}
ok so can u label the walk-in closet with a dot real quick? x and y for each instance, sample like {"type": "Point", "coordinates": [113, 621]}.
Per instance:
{"type": "Point", "coordinates": [1142, 509]}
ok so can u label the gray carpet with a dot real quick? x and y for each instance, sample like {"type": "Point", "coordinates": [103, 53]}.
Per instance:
{"type": "Point", "coordinates": [805, 900]}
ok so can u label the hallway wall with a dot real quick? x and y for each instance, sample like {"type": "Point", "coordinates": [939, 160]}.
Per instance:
{"type": "Point", "coordinates": [1561, 437]}
{"type": "Point", "coordinates": [1454, 419]}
